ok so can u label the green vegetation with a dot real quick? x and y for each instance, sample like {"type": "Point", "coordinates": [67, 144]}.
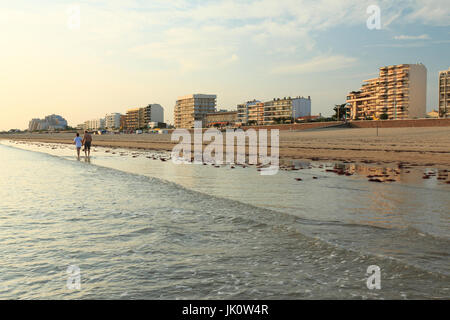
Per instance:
{"type": "Point", "coordinates": [340, 112]}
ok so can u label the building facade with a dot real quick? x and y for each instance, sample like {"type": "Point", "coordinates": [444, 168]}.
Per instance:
{"type": "Point", "coordinates": [51, 122]}
{"type": "Point", "coordinates": [444, 94]}
{"type": "Point", "coordinates": [191, 108]}
{"type": "Point", "coordinates": [112, 121]}
{"type": "Point", "coordinates": [153, 113]}
{"type": "Point", "coordinates": [242, 113]}
{"type": "Point", "coordinates": [250, 112]}
{"type": "Point", "coordinates": [95, 124]}
{"type": "Point", "coordinates": [220, 119]}
{"type": "Point", "coordinates": [123, 122]}
{"type": "Point", "coordinates": [286, 110]}
{"type": "Point", "coordinates": [256, 113]}
{"type": "Point", "coordinates": [132, 119]}
{"type": "Point", "coordinates": [399, 92]}
{"type": "Point", "coordinates": [140, 118]}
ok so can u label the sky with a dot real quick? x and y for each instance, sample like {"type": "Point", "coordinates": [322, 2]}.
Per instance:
{"type": "Point", "coordinates": [83, 59]}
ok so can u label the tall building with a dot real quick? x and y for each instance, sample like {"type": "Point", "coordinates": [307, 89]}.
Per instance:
{"type": "Point", "coordinates": [286, 109]}
{"type": "Point", "coordinates": [112, 121]}
{"type": "Point", "coordinates": [51, 122]}
{"type": "Point", "coordinates": [193, 107]}
{"type": "Point", "coordinates": [132, 119]}
{"type": "Point", "coordinates": [444, 93]}
{"type": "Point", "coordinates": [141, 117]}
{"type": "Point", "coordinates": [153, 113]}
{"type": "Point", "coordinates": [399, 92]}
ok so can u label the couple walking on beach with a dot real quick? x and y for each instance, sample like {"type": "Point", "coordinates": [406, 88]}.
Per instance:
{"type": "Point", "coordinates": [86, 142]}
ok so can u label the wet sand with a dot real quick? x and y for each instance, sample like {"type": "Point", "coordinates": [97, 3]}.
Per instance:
{"type": "Point", "coordinates": [410, 146]}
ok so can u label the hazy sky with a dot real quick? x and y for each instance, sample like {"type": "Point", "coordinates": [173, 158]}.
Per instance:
{"type": "Point", "coordinates": [126, 54]}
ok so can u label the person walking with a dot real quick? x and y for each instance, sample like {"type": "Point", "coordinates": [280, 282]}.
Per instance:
{"type": "Point", "coordinates": [78, 143]}
{"type": "Point", "coordinates": [87, 141]}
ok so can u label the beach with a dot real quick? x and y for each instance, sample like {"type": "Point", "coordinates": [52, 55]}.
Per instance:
{"type": "Point", "coordinates": [429, 146]}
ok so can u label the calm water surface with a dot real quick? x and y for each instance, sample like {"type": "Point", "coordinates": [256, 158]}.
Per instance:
{"type": "Point", "coordinates": [140, 228]}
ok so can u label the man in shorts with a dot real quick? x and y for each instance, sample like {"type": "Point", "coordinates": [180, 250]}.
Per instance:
{"type": "Point", "coordinates": [87, 141]}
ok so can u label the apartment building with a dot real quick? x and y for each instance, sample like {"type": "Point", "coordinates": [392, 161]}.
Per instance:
{"type": "Point", "coordinates": [51, 122]}
{"type": "Point", "coordinates": [250, 112]}
{"type": "Point", "coordinates": [193, 107]}
{"type": "Point", "coordinates": [153, 113]}
{"type": "Point", "coordinates": [444, 94]}
{"type": "Point", "coordinates": [123, 121]}
{"type": "Point", "coordinates": [112, 121]}
{"type": "Point", "coordinates": [399, 92]}
{"type": "Point", "coordinates": [141, 117]}
{"type": "Point", "coordinates": [256, 113]}
{"type": "Point", "coordinates": [242, 113]}
{"type": "Point", "coordinates": [286, 110]}
{"type": "Point", "coordinates": [220, 119]}
{"type": "Point", "coordinates": [95, 124]}
{"type": "Point", "coordinates": [132, 118]}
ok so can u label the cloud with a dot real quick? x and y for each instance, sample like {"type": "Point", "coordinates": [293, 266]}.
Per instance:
{"type": "Point", "coordinates": [317, 64]}
{"type": "Point", "coordinates": [408, 37]}
{"type": "Point", "coordinates": [430, 12]}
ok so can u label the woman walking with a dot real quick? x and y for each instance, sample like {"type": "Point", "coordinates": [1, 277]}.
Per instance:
{"type": "Point", "coordinates": [78, 144]}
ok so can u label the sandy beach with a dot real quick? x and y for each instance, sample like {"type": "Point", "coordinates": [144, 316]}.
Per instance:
{"type": "Point", "coordinates": [413, 146]}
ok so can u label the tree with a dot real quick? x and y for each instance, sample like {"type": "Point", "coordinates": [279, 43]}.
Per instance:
{"type": "Point", "coordinates": [340, 111]}
{"type": "Point", "coordinates": [384, 116]}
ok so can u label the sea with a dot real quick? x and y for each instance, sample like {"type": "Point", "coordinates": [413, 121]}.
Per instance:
{"type": "Point", "coordinates": [125, 224]}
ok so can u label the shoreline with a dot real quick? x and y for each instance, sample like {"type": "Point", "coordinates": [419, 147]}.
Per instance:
{"type": "Point", "coordinates": [421, 147]}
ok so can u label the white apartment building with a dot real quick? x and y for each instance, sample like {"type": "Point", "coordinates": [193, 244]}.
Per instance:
{"type": "Point", "coordinates": [112, 121]}
{"type": "Point", "coordinates": [95, 124]}
{"type": "Point", "coordinates": [153, 113]}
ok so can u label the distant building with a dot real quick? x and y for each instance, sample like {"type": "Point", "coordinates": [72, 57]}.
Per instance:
{"type": "Point", "coordinates": [286, 110]}
{"type": "Point", "coordinates": [95, 124]}
{"type": "Point", "coordinates": [193, 107]}
{"type": "Point", "coordinates": [123, 122]}
{"type": "Point", "coordinates": [52, 122]}
{"type": "Point", "coordinates": [140, 118]}
{"type": "Point", "coordinates": [243, 111]}
{"type": "Point", "coordinates": [444, 93]}
{"type": "Point", "coordinates": [398, 93]}
{"type": "Point", "coordinates": [132, 119]}
{"type": "Point", "coordinates": [112, 121]}
{"type": "Point", "coordinates": [153, 113]}
{"type": "Point", "coordinates": [255, 113]}
{"type": "Point", "coordinates": [220, 119]}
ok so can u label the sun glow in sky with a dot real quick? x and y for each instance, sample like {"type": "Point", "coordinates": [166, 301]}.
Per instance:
{"type": "Point", "coordinates": [126, 54]}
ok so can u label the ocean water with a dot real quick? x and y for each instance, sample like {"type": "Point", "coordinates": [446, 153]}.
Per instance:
{"type": "Point", "coordinates": [139, 228]}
